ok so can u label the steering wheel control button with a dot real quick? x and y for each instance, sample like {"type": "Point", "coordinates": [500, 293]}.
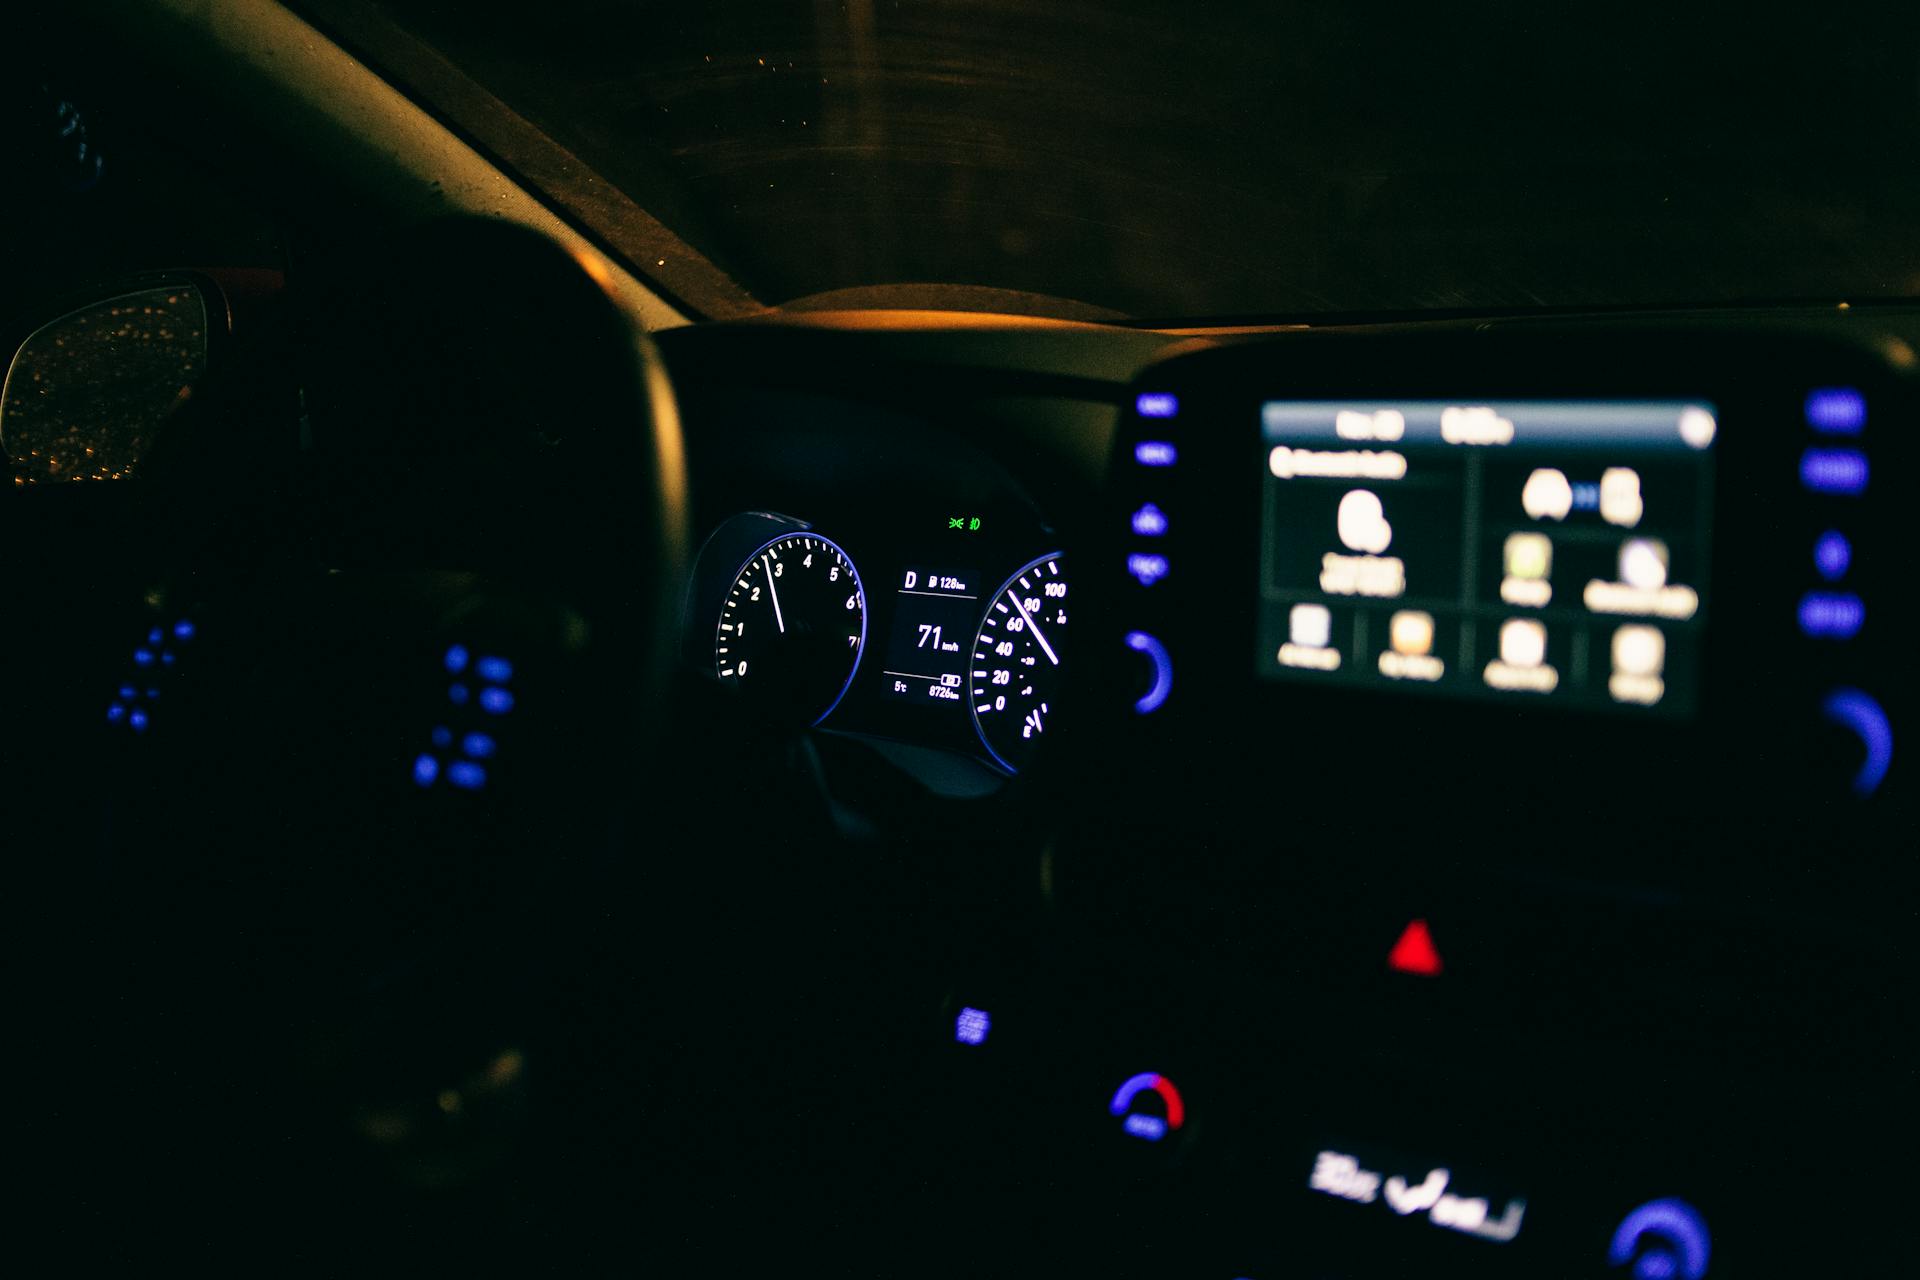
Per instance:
{"type": "Point", "coordinates": [1148, 1107]}
{"type": "Point", "coordinates": [1662, 1240]}
{"type": "Point", "coordinates": [1840, 472]}
{"type": "Point", "coordinates": [135, 700]}
{"type": "Point", "coordinates": [1162, 687]}
{"type": "Point", "coordinates": [1415, 952]}
{"type": "Point", "coordinates": [1155, 453]}
{"type": "Point", "coordinates": [1836, 411]}
{"type": "Point", "coordinates": [1862, 716]}
{"type": "Point", "coordinates": [461, 766]}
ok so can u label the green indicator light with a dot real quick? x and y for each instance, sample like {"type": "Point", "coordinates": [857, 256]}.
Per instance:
{"type": "Point", "coordinates": [974, 523]}
{"type": "Point", "coordinates": [956, 522]}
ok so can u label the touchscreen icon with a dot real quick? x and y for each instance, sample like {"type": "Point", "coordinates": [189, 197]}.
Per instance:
{"type": "Point", "coordinates": [1363, 523]}
{"type": "Point", "coordinates": [1529, 560]}
{"type": "Point", "coordinates": [1309, 643]}
{"type": "Point", "coordinates": [1620, 501]}
{"type": "Point", "coordinates": [1643, 563]}
{"type": "Point", "coordinates": [1529, 556]}
{"type": "Point", "coordinates": [1639, 651]}
{"type": "Point", "coordinates": [1310, 626]}
{"type": "Point", "coordinates": [1547, 495]}
{"type": "Point", "coordinates": [1412, 633]}
{"type": "Point", "coordinates": [1523, 642]}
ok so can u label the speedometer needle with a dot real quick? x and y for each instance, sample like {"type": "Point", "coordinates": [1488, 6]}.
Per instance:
{"type": "Point", "coordinates": [1027, 618]}
{"type": "Point", "coordinates": [775, 592]}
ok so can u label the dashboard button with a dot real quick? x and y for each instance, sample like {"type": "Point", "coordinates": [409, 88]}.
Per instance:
{"type": "Point", "coordinates": [1148, 1107]}
{"type": "Point", "coordinates": [972, 1026]}
{"type": "Point", "coordinates": [1155, 453]}
{"type": "Point", "coordinates": [1147, 569]}
{"type": "Point", "coordinates": [1662, 1238]}
{"type": "Point", "coordinates": [1858, 713]}
{"type": "Point", "coordinates": [1832, 615]}
{"type": "Point", "coordinates": [1156, 695]}
{"type": "Point", "coordinates": [1415, 952]}
{"type": "Point", "coordinates": [1837, 471]}
{"type": "Point", "coordinates": [1150, 521]}
{"type": "Point", "coordinates": [1832, 555]}
{"type": "Point", "coordinates": [1836, 411]}
{"type": "Point", "coordinates": [1156, 404]}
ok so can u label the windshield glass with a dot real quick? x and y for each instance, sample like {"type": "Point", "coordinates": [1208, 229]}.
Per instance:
{"type": "Point", "coordinates": [1191, 159]}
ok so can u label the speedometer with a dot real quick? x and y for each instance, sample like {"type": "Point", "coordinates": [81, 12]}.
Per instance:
{"type": "Point", "coordinates": [1016, 660]}
{"type": "Point", "coordinates": [793, 625]}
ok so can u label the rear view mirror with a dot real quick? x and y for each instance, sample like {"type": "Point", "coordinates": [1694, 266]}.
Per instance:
{"type": "Point", "coordinates": [87, 394]}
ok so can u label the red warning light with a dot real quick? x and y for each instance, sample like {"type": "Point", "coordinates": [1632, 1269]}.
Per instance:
{"type": "Point", "coordinates": [1415, 952]}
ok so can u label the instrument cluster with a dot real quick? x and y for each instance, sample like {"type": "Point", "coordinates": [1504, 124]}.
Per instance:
{"type": "Point", "coordinates": [940, 629]}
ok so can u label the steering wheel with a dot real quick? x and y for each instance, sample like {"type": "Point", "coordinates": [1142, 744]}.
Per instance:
{"type": "Point", "coordinates": [374, 734]}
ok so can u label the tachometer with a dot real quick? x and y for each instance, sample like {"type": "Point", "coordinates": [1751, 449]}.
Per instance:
{"type": "Point", "coordinates": [1016, 660]}
{"type": "Point", "coordinates": [793, 625]}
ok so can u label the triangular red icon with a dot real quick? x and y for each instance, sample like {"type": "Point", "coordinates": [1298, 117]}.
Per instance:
{"type": "Point", "coordinates": [1415, 953]}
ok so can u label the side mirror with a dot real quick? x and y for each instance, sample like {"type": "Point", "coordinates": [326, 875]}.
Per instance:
{"type": "Point", "coordinates": [87, 394]}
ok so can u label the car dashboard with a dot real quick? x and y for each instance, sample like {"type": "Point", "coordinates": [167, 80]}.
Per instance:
{"type": "Point", "coordinates": [941, 792]}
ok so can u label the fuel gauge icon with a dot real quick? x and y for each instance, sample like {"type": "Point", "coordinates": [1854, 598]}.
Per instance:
{"type": "Point", "coordinates": [1148, 1107]}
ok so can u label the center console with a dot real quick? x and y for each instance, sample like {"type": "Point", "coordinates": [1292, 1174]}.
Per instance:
{"type": "Point", "coordinates": [1497, 843]}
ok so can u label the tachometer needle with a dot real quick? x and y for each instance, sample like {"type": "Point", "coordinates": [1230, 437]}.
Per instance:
{"type": "Point", "coordinates": [775, 592]}
{"type": "Point", "coordinates": [1027, 618]}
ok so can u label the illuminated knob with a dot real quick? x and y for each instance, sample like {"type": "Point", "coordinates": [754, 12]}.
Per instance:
{"type": "Point", "coordinates": [1148, 1107]}
{"type": "Point", "coordinates": [1860, 715]}
{"type": "Point", "coordinates": [1156, 695]}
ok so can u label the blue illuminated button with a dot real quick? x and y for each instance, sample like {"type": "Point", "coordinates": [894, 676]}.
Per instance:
{"type": "Point", "coordinates": [1832, 555]}
{"type": "Point", "coordinates": [1832, 615]}
{"type": "Point", "coordinates": [1663, 1240]}
{"type": "Point", "coordinates": [1144, 1124]}
{"type": "Point", "coordinates": [1148, 569]}
{"type": "Point", "coordinates": [1836, 411]}
{"type": "Point", "coordinates": [971, 1026]}
{"type": "Point", "coordinates": [1156, 697]}
{"type": "Point", "coordinates": [1841, 471]}
{"type": "Point", "coordinates": [1156, 404]}
{"type": "Point", "coordinates": [1860, 715]}
{"type": "Point", "coordinates": [467, 775]}
{"type": "Point", "coordinates": [1155, 453]}
{"type": "Point", "coordinates": [1150, 522]}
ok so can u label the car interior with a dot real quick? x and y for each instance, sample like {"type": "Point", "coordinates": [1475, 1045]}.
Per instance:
{"type": "Point", "coordinates": [956, 637]}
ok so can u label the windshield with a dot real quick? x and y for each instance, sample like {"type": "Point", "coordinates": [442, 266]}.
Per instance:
{"type": "Point", "coordinates": [1196, 159]}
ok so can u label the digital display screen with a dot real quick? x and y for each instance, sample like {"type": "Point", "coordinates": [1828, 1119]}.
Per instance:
{"type": "Point", "coordinates": [1525, 550]}
{"type": "Point", "coordinates": [933, 621]}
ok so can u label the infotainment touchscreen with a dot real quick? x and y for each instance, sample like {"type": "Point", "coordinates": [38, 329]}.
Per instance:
{"type": "Point", "coordinates": [1525, 550]}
